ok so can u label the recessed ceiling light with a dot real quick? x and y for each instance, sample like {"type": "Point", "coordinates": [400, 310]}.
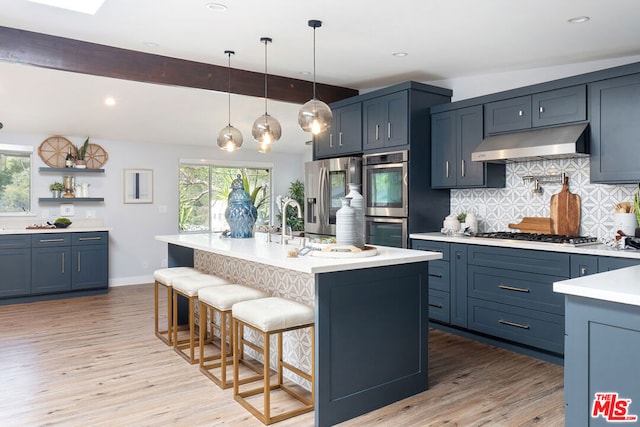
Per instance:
{"type": "Point", "coordinates": [151, 44]}
{"type": "Point", "coordinates": [578, 19]}
{"type": "Point", "coordinates": [400, 54]}
{"type": "Point", "coordinates": [305, 73]}
{"type": "Point", "coordinates": [216, 7]}
{"type": "Point", "coordinates": [110, 101]}
{"type": "Point", "coordinates": [89, 7]}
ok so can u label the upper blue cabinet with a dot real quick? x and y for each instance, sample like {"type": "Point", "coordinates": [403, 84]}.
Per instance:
{"type": "Point", "coordinates": [549, 108]}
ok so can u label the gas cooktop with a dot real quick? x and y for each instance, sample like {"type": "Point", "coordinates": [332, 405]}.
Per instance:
{"type": "Point", "coordinates": [541, 238]}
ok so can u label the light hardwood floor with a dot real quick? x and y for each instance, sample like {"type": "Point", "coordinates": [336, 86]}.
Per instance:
{"type": "Point", "coordinates": [94, 361]}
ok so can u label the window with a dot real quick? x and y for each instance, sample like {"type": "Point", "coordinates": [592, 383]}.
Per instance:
{"type": "Point", "coordinates": [204, 189]}
{"type": "Point", "coordinates": [15, 179]}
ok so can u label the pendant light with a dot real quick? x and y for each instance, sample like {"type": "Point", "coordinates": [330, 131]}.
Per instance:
{"type": "Point", "coordinates": [315, 116]}
{"type": "Point", "coordinates": [229, 138]}
{"type": "Point", "coordinates": [266, 129]}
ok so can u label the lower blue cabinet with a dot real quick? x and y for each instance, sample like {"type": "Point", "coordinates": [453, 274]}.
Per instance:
{"type": "Point", "coordinates": [37, 265]}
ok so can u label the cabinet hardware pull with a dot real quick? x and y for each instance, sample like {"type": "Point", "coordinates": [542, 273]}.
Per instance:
{"type": "Point", "coordinates": [542, 109]}
{"type": "Point", "coordinates": [458, 255]}
{"type": "Point", "coordinates": [462, 166]}
{"type": "Point", "coordinates": [435, 275]}
{"type": "Point", "coordinates": [435, 305]}
{"type": "Point", "coordinates": [512, 288]}
{"type": "Point", "coordinates": [89, 238]}
{"type": "Point", "coordinates": [583, 271]}
{"type": "Point", "coordinates": [51, 240]}
{"type": "Point", "coordinates": [340, 139]}
{"type": "Point", "coordinates": [331, 140]}
{"type": "Point", "coordinates": [446, 168]}
{"type": "Point", "coordinates": [520, 113]}
{"type": "Point", "coordinates": [517, 325]}
{"type": "Point", "coordinates": [63, 262]}
{"type": "Point", "coordinates": [78, 262]}
{"type": "Point", "coordinates": [377, 132]}
{"type": "Point", "coordinates": [388, 130]}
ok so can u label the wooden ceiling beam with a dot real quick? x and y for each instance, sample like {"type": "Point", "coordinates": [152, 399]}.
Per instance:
{"type": "Point", "coordinates": [59, 53]}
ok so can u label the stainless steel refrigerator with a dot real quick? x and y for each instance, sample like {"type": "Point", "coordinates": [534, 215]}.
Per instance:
{"type": "Point", "coordinates": [325, 183]}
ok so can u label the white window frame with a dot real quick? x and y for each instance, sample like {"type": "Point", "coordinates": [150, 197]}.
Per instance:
{"type": "Point", "coordinates": [21, 149]}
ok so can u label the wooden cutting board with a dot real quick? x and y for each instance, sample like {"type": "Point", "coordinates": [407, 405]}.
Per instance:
{"type": "Point", "coordinates": [530, 224]}
{"type": "Point", "coordinates": [565, 211]}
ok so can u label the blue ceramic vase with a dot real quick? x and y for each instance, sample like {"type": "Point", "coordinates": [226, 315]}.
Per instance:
{"type": "Point", "coordinates": [240, 213]}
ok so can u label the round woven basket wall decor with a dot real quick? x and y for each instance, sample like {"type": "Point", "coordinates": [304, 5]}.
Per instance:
{"type": "Point", "coordinates": [95, 156]}
{"type": "Point", "coordinates": [53, 150]}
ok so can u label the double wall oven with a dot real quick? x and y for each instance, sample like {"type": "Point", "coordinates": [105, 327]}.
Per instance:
{"type": "Point", "coordinates": [386, 195]}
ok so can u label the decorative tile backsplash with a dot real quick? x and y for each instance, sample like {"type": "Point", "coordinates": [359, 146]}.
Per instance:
{"type": "Point", "coordinates": [497, 207]}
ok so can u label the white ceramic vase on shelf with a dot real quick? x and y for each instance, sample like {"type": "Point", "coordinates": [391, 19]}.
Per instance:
{"type": "Point", "coordinates": [357, 203]}
{"type": "Point", "coordinates": [345, 223]}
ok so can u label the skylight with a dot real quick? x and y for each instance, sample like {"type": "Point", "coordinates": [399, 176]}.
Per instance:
{"type": "Point", "coordinates": [83, 6]}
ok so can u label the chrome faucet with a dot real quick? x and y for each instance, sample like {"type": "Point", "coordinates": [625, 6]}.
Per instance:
{"type": "Point", "coordinates": [287, 202]}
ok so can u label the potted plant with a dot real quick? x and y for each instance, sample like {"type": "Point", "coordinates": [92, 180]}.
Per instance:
{"type": "Point", "coordinates": [62, 222]}
{"type": "Point", "coordinates": [81, 151]}
{"type": "Point", "coordinates": [56, 189]}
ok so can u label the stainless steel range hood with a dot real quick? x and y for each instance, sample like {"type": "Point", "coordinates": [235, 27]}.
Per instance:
{"type": "Point", "coordinates": [546, 143]}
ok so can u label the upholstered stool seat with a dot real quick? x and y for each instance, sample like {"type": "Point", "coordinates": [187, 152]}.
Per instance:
{"type": "Point", "coordinates": [266, 317]}
{"type": "Point", "coordinates": [164, 277]}
{"type": "Point", "coordinates": [188, 287]}
{"type": "Point", "coordinates": [220, 299]}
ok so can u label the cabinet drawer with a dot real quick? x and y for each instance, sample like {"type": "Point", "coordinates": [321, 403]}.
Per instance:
{"type": "Point", "coordinates": [583, 265]}
{"type": "Point", "coordinates": [51, 239]}
{"type": "Point", "coordinates": [439, 277]}
{"type": "Point", "coordinates": [611, 263]}
{"type": "Point", "coordinates": [532, 261]}
{"type": "Point", "coordinates": [428, 245]}
{"type": "Point", "coordinates": [15, 241]}
{"type": "Point", "coordinates": [528, 290]}
{"type": "Point", "coordinates": [90, 238]}
{"type": "Point", "coordinates": [534, 328]}
{"type": "Point", "coordinates": [439, 306]}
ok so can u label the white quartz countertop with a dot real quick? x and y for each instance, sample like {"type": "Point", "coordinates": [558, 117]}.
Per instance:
{"type": "Point", "coordinates": [621, 286]}
{"type": "Point", "coordinates": [600, 249]}
{"type": "Point", "coordinates": [276, 254]}
{"type": "Point", "coordinates": [70, 229]}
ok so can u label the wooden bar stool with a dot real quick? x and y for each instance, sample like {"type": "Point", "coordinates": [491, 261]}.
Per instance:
{"type": "Point", "coordinates": [266, 317]}
{"type": "Point", "coordinates": [220, 299]}
{"type": "Point", "coordinates": [164, 277]}
{"type": "Point", "coordinates": [188, 287]}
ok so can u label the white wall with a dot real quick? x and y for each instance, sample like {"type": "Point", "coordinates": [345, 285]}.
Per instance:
{"type": "Point", "coordinates": [132, 243]}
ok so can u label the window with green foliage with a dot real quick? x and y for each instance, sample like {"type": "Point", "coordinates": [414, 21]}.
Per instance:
{"type": "Point", "coordinates": [15, 179]}
{"type": "Point", "coordinates": [204, 190]}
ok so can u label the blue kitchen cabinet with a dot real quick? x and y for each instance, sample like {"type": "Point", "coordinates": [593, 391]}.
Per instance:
{"type": "Point", "coordinates": [614, 106]}
{"type": "Point", "coordinates": [386, 121]}
{"type": "Point", "coordinates": [345, 134]}
{"type": "Point", "coordinates": [454, 136]}
{"type": "Point", "coordinates": [601, 356]}
{"type": "Point", "coordinates": [90, 260]}
{"type": "Point", "coordinates": [583, 265]}
{"type": "Point", "coordinates": [553, 107]}
{"type": "Point", "coordinates": [559, 106]}
{"type": "Point", "coordinates": [606, 263]}
{"type": "Point", "coordinates": [15, 264]}
{"type": "Point", "coordinates": [50, 263]}
{"type": "Point", "coordinates": [507, 115]}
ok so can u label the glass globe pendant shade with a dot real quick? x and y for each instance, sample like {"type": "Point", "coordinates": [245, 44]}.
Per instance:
{"type": "Point", "coordinates": [266, 129]}
{"type": "Point", "coordinates": [229, 138]}
{"type": "Point", "coordinates": [315, 116]}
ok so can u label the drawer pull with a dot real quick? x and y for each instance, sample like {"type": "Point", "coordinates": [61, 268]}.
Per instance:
{"type": "Point", "coordinates": [512, 288]}
{"type": "Point", "coordinates": [51, 240]}
{"type": "Point", "coordinates": [517, 325]}
{"type": "Point", "coordinates": [435, 275]}
{"type": "Point", "coordinates": [89, 238]}
{"type": "Point", "coordinates": [435, 305]}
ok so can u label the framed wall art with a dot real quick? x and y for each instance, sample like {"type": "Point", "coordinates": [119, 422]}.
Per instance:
{"type": "Point", "coordinates": [138, 186]}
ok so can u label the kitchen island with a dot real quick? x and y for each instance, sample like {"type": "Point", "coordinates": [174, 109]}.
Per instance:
{"type": "Point", "coordinates": [371, 314]}
{"type": "Point", "coordinates": [602, 343]}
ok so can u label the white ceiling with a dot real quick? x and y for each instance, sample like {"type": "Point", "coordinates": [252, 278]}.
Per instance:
{"type": "Point", "coordinates": [444, 39]}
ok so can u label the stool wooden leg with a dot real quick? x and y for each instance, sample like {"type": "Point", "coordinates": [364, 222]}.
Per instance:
{"type": "Point", "coordinates": [155, 289]}
{"type": "Point", "coordinates": [170, 321]}
{"type": "Point", "coordinates": [174, 315]}
{"type": "Point", "coordinates": [203, 328]}
{"type": "Point", "coordinates": [267, 376]}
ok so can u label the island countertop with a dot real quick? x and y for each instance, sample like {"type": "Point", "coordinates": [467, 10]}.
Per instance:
{"type": "Point", "coordinates": [276, 254]}
{"type": "Point", "coordinates": [621, 286]}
